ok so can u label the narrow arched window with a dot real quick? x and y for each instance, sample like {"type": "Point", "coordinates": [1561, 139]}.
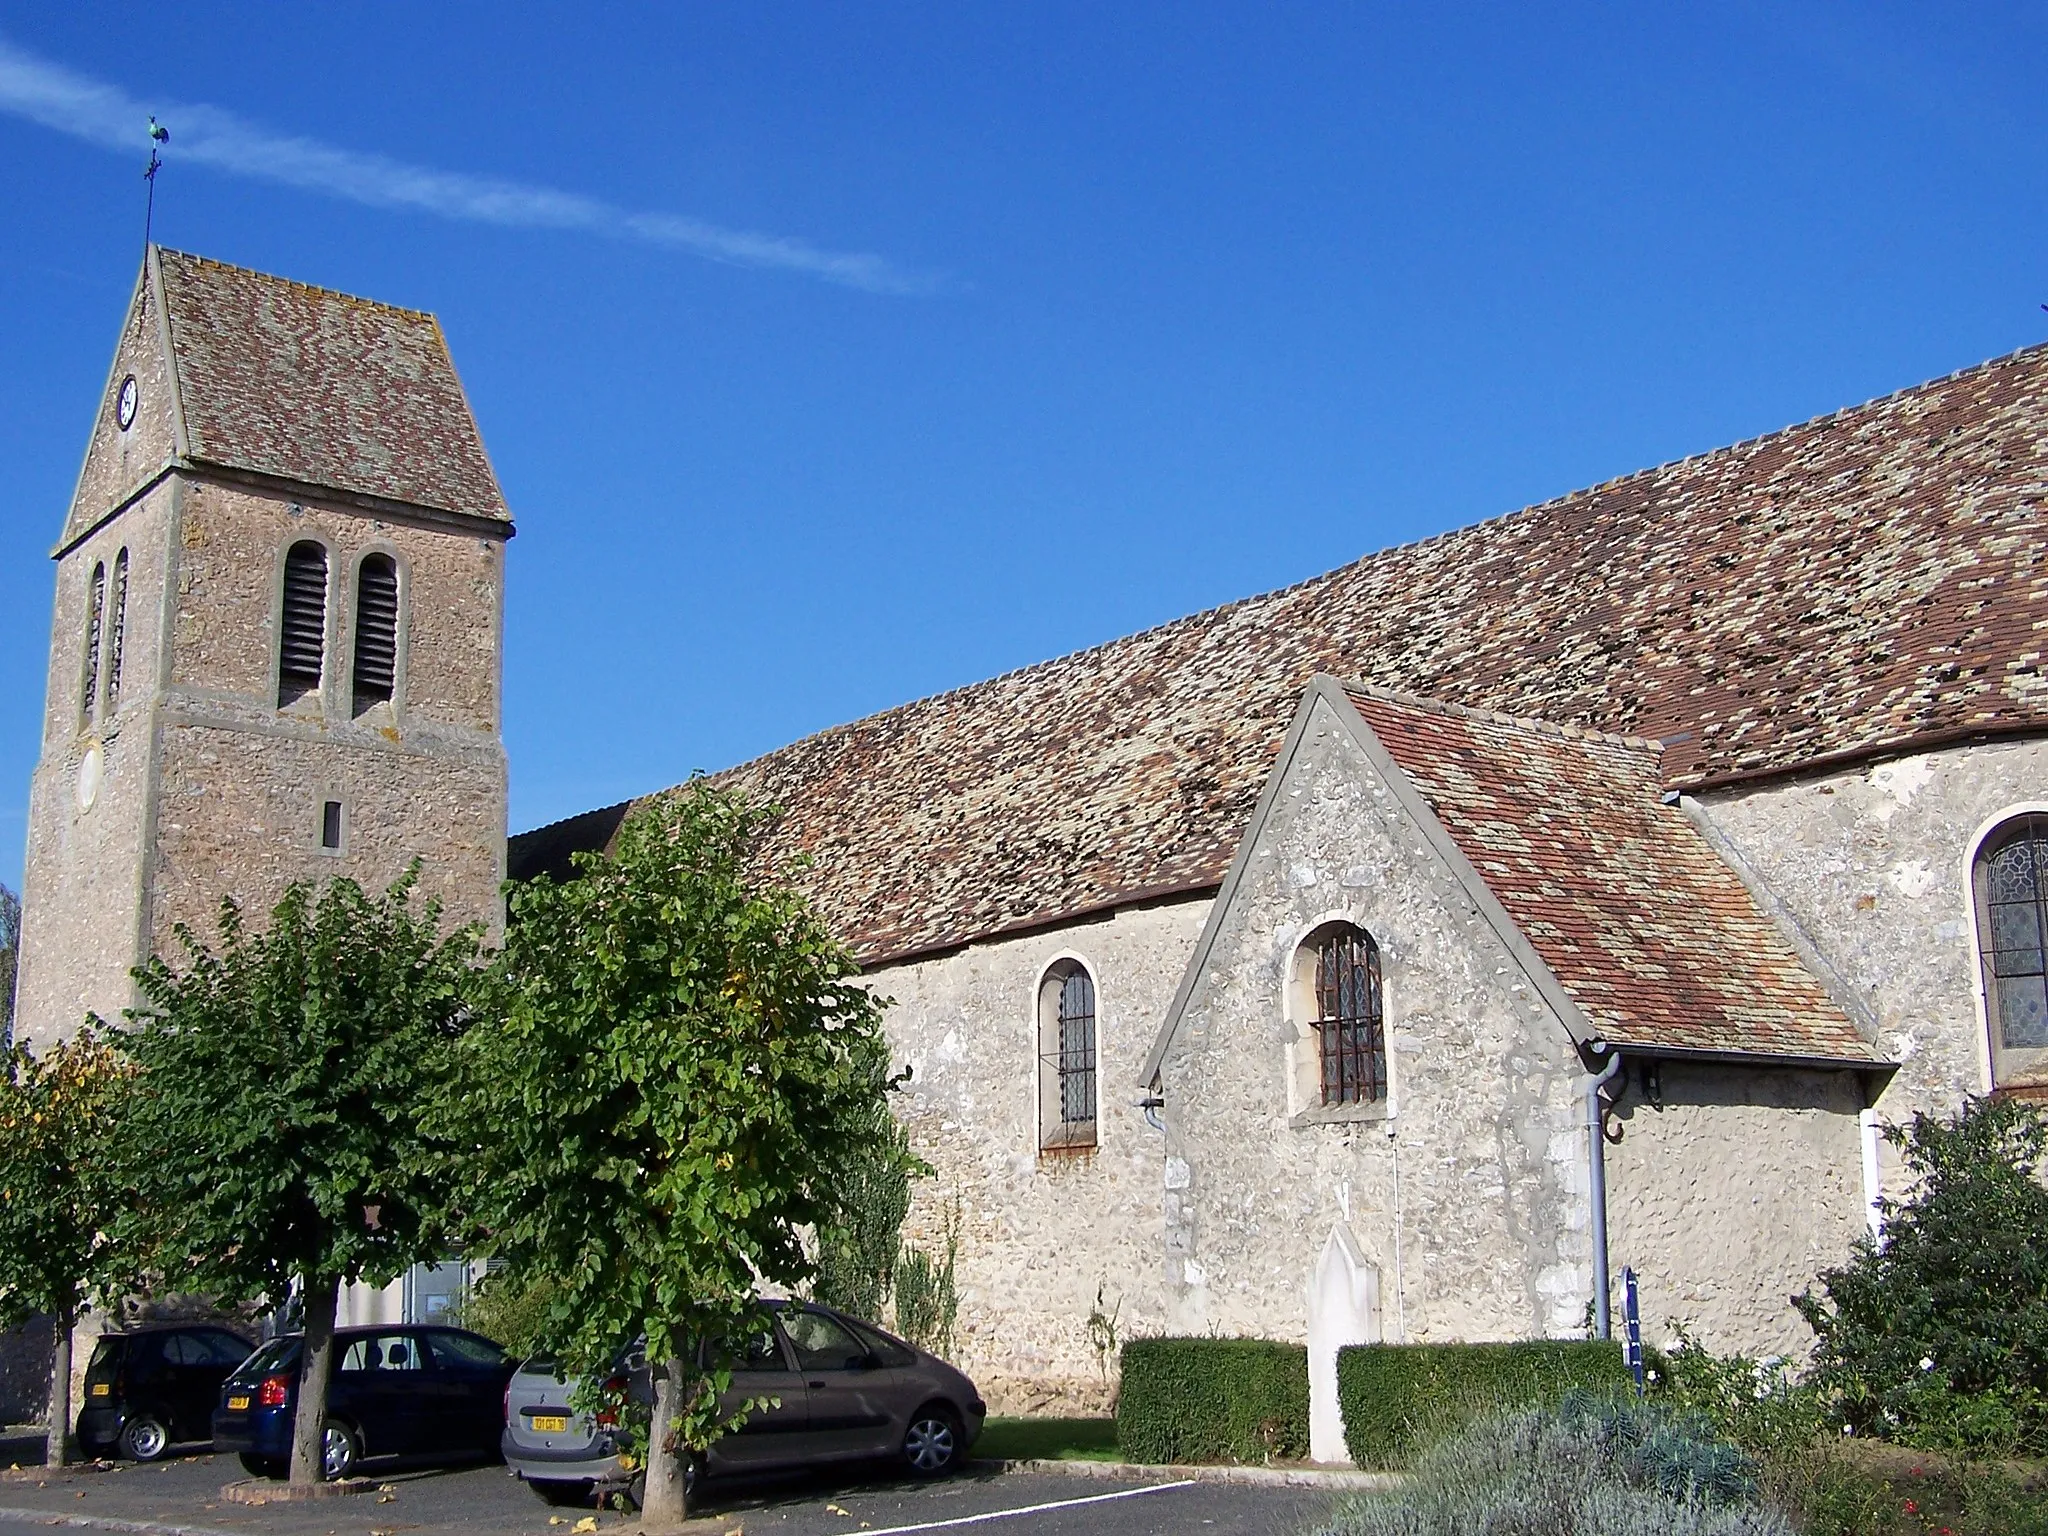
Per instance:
{"type": "Point", "coordinates": [117, 626]}
{"type": "Point", "coordinates": [95, 613]}
{"type": "Point", "coordinates": [1066, 1057]}
{"type": "Point", "coordinates": [376, 667]}
{"type": "Point", "coordinates": [302, 629]}
{"type": "Point", "coordinates": [2011, 880]}
{"type": "Point", "coordinates": [1350, 1022]}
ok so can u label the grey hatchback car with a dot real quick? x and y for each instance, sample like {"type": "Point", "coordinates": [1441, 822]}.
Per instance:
{"type": "Point", "coordinates": [845, 1391]}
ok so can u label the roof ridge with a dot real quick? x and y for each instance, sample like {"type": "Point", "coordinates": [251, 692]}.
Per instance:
{"type": "Point", "coordinates": [1383, 553]}
{"type": "Point", "coordinates": [293, 282]}
{"type": "Point", "coordinates": [1539, 726]}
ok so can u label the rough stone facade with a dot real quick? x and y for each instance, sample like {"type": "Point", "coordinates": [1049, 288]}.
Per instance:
{"type": "Point", "coordinates": [1728, 1190]}
{"type": "Point", "coordinates": [1872, 863]}
{"type": "Point", "coordinates": [187, 783]}
{"type": "Point", "coordinates": [1466, 1188]}
{"type": "Point", "coordinates": [1039, 1231]}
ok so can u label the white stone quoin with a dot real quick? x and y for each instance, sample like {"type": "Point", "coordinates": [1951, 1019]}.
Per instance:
{"type": "Point", "coordinates": [1343, 1308]}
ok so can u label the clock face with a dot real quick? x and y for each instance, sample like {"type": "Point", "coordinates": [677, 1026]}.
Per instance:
{"type": "Point", "coordinates": [124, 404]}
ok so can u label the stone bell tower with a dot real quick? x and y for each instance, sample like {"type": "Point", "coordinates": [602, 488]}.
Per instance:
{"type": "Point", "coordinates": [276, 648]}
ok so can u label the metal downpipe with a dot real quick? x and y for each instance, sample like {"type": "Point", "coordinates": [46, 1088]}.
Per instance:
{"type": "Point", "coordinates": [1596, 1138]}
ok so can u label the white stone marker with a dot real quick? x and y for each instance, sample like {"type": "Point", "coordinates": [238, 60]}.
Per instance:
{"type": "Point", "coordinates": [1343, 1308]}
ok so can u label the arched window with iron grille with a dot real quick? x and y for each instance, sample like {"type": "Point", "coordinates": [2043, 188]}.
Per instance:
{"type": "Point", "coordinates": [302, 626]}
{"type": "Point", "coordinates": [1066, 1057]}
{"type": "Point", "coordinates": [1350, 1021]}
{"type": "Point", "coordinates": [376, 662]}
{"type": "Point", "coordinates": [2011, 889]}
{"type": "Point", "coordinates": [95, 613]}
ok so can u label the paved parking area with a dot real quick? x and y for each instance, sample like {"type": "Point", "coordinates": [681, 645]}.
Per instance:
{"type": "Point", "coordinates": [182, 1496]}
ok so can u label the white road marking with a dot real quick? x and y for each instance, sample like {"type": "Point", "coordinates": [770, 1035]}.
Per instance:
{"type": "Point", "coordinates": [1028, 1509]}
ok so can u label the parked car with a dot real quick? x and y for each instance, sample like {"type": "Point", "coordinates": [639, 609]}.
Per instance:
{"type": "Point", "coordinates": [148, 1389]}
{"type": "Point", "coordinates": [425, 1392]}
{"type": "Point", "coordinates": [846, 1391]}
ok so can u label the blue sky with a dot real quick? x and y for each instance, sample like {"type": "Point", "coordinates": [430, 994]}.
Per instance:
{"type": "Point", "coordinates": [831, 356]}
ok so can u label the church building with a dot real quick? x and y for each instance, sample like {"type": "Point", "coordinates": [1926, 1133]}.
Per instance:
{"type": "Point", "coordinates": [1397, 956]}
{"type": "Point", "coordinates": [1358, 960]}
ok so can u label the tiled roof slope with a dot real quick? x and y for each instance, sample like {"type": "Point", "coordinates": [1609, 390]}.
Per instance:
{"type": "Point", "coordinates": [1653, 936]}
{"type": "Point", "coordinates": [1873, 578]}
{"type": "Point", "coordinates": [284, 379]}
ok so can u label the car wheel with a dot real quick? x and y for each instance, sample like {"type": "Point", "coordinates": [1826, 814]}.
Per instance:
{"type": "Point", "coordinates": [932, 1443]}
{"type": "Point", "coordinates": [144, 1437]}
{"type": "Point", "coordinates": [263, 1466]}
{"type": "Point", "coordinates": [553, 1491]}
{"type": "Point", "coordinates": [339, 1453]}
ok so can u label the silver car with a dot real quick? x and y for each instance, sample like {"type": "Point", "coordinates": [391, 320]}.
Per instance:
{"type": "Point", "coordinates": [844, 1391]}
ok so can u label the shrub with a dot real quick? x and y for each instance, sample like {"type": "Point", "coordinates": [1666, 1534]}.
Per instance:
{"type": "Point", "coordinates": [1585, 1467]}
{"type": "Point", "coordinates": [1758, 1405]}
{"type": "Point", "coordinates": [1195, 1400]}
{"type": "Point", "coordinates": [1939, 1337]}
{"type": "Point", "coordinates": [1399, 1398]}
{"type": "Point", "coordinates": [511, 1308]}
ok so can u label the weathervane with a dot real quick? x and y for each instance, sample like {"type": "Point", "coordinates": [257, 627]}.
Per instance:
{"type": "Point", "coordinates": [158, 136]}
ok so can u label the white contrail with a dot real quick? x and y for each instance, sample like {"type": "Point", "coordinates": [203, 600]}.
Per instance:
{"type": "Point", "coordinates": [105, 115]}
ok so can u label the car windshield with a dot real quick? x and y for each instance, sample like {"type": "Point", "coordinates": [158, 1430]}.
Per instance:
{"type": "Point", "coordinates": [276, 1355]}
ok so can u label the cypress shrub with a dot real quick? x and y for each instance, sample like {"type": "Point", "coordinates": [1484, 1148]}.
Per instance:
{"type": "Point", "coordinates": [1398, 1399]}
{"type": "Point", "coordinates": [1198, 1400]}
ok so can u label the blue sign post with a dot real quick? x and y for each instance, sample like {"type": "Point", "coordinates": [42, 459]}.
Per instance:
{"type": "Point", "coordinates": [1632, 1336]}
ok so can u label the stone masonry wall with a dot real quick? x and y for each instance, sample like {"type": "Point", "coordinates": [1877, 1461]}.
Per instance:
{"type": "Point", "coordinates": [232, 543]}
{"type": "Point", "coordinates": [1039, 1231]}
{"type": "Point", "coordinates": [1729, 1193]}
{"type": "Point", "coordinates": [82, 895]}
{"type": "Point", "coordinates": [1871, 864]}
{"type": "Point", "coordinates": [1470, 1197]}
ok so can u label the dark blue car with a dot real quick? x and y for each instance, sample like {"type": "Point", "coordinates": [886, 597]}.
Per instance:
{"type": "Point", "coordinates": [430, 1394]}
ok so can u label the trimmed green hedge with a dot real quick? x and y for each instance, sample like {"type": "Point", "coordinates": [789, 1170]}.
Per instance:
{"type": "Point", "coordinates": [1194, 1400]}
{"type": "Point", "coordinates": [1398, 1399]}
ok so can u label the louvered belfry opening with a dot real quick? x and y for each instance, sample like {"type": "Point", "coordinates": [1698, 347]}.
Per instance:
{"type": "Point", "coordinates": [302, 641]}
{"type": "Point", "coordinates": [1351, 1018]}
{"type": "Point", "coordinates": [96, 598]}
{"type": "Point", "coordinates": [117, 626]}
{"type": "Point", "coordinates": [376, 669]}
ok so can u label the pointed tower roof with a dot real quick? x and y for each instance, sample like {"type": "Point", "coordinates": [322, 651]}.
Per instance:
{"type": "Point", "coordinates": [281, 379]}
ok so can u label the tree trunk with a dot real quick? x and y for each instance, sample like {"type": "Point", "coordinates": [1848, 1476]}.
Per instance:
{"type": "Point", "coordinates": [316, 1369]}
{"type": "Point", "coordinates": [59, 1445]}
{"type": "Point", "coordinates": [666, 1504]}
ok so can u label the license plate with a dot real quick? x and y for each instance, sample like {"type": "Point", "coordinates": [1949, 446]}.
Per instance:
{"type": "Point", "coordinates": [102, 1389]}
{"type": "Point", "coordinates": [237, 1404]}
{"type": "Point", "coordinates": [550, 1423]}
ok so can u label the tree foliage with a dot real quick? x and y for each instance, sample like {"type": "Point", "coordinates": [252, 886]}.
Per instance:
{"type": "Point", "coordinates": [1941, 1331]}
{"type": "Point", "coordinates": [858, 1254]}
{"type": "Point", "coordinates": [272, 1134]}
{"type": "Point", "coordinates": [10, 958]}
{"type": "Point", "coordinates": [678, 1070]}
{"type": "Point", "coordinates": [56, 1190]}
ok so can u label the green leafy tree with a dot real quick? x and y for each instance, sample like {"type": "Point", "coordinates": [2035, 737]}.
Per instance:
{"type": "Point", "coordinates": [272, 1127]}
{"type": "Point", "coordinates": [677, 1073]}
{"type": "Point", "coordinates": [1940, 1333]}
{"type": "Point", "coordinates": [56, 1190]}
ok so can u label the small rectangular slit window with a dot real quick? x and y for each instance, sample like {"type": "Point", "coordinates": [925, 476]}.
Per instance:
{"type": "Point", "coordinates": [330, 824]}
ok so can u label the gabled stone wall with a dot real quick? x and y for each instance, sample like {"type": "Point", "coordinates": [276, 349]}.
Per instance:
{"type": "Point", "coordinates": [1467, 1190]}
